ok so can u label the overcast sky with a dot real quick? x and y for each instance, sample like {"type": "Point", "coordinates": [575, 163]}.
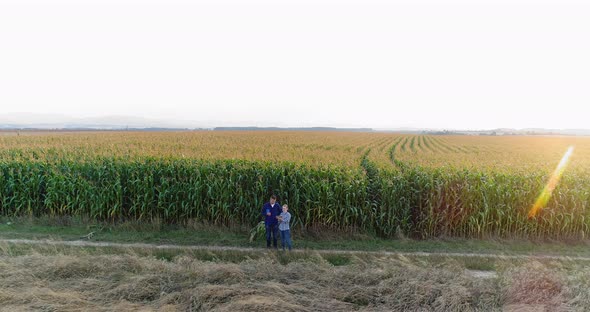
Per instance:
{"type": "Point", "coordinates": [382, 64]}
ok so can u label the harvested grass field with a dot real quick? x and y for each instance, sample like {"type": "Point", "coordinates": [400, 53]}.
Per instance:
{"type": "Point", "coordinates": [60, 278]}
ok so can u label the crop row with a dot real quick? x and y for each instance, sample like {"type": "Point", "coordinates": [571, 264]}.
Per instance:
{"type": "Point", "coordinates": [411, 200]}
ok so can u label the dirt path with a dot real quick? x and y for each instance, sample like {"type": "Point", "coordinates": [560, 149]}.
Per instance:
{"type": "Point", "coordinates": [82, 243]}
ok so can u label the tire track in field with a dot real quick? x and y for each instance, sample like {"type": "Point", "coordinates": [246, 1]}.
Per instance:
{"type": "Point", "coordinates": [436, 147]}
{"type": "Point", "coordinates": [461, 148]}
{"type": "Point", "coordinates": [412, 144]}
{"type": "Point", "coordinates": [393, 148]}
{"type": "Point", "coordinates": [362, 149]}
{"type": "Point", "coordinates": [376, 145]}
{"type": "Point", "coordinates": [383, 144]}
{"type": "Point", "coordinates": [418, 145]}
{"type": "Point", "coordinates": [422, 146]}
{"type": "Point", "coordinates": [455, 147]}
{"type": "Point", "coordinates": [397, 147]}
{"type": "Point", "coordinates": [79, 243]}
{"type": "Point", "coordinates": [404, 143]}
{"type": "Point", "coordinates": [427, 143]}
{"type": "Point", "coordinates": [450, 147]}
{"type": "Point", "coordinates": [442, 146]}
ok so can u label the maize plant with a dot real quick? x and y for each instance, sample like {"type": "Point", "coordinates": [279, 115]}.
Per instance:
{"type": "Point", "coordinates": [419, 185]}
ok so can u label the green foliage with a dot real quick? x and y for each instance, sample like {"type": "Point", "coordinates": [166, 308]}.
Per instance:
{"type": "Point", "coordinates": [337, 260]}
{"type": "Point", "coordinates": [403, 198]}
{"type": "Point", "coordinates": [257, 231]}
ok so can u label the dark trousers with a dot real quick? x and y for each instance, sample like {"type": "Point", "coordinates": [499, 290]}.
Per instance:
{"type": "Point", "coordinates": [272, 230]}
{"type": "Point", "coordinates": [286, 239]}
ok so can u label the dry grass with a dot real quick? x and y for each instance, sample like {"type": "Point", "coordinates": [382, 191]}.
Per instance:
{"type": "Point", "coordinates": [54, 279]}
{"type": "Point", "coordinates": [535, 284]}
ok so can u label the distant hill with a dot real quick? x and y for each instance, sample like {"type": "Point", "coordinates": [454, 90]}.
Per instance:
{"type": "Point", "coordinates": [60, 122]}
{"type": "Point", "coordinates": [292, 129]}
{"type": "Point", "coordinates": [508, 131]}
{"type": "Point", "coordinates": [27, 121]}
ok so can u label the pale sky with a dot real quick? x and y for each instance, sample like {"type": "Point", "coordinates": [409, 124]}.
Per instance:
{"type": "Point", "coordinates": [382, 64]}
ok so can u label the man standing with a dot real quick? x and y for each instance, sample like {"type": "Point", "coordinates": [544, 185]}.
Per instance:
{"type": "Point", "coordinates": [270, 211]}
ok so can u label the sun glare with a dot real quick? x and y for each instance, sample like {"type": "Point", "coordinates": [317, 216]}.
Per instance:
{"type": "Point", "coordinates": [548, 190]}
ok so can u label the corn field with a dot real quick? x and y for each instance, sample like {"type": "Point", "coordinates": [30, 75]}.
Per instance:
{"type": "Point", "coordinates": [416, 185]}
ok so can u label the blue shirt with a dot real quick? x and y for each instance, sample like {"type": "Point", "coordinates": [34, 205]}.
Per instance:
{"type": "Point", "coordinates": [274, 212]}
{"type": "Point", "coordinates": [284, 225]}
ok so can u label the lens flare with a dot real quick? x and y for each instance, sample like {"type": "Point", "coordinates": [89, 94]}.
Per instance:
{"type": "Point", "coordinates": [548, 190]}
